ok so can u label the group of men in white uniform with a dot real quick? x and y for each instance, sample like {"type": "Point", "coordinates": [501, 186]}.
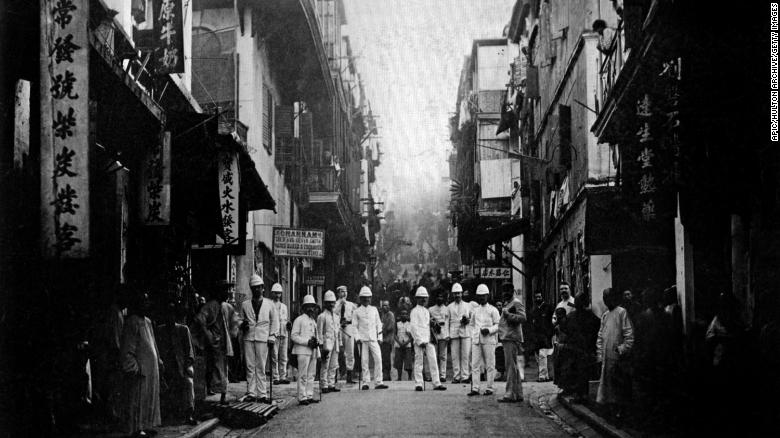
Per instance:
{"type": "Point", "coordinates": [470, 329]}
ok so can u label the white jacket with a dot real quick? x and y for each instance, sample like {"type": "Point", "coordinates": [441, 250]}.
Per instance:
{"type": "Point", "coordinates": [349, 310]}
{"type": "Point", "coordinates": [368, 324]}
{"type": "Point", "coordinates": [303, 329]}
{"type": "Point", "coordinates": [456, 312]}
{"type": "Point", "coordinates": [284, 316]}
{"type": "Point", "coordinates": [420, 320]}
{"type": "Point", "coordinates": [264, 325]}
{"type": "Point", "coordinates": [328, 329]}
{"type": "Point", "coordinates": [484, 317]}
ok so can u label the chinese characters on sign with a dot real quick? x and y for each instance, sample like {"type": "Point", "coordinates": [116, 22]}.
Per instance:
{"type": "Point", "coordinates": [670, 82]}
{"type": "Point", "coordinates": [168, 31]}
{"type": "Point", "coordinates": [497, 273]}
{"type": "Point", "coordinates": [64, 94]}
{"type": "Point", "coordinates": [647, 183]}
{"type": "Point", "coordinates": [297, 242]}
{"type": "Point", "coordinates": [228, 197]}
{"type": "Point", "coordinates": [156, 183]}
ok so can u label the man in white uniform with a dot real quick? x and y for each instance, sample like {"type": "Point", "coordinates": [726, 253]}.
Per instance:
{"type": "Point", "coordinates": [279, 357]}
{"type": "Point", "coordinates": [421, 333]}
{"type": "Point", "coordinates": [305, 342]}
{"type": "Point", "coordinates": [484, 329]}
{"type": "Point", "coordinates": [328, 328]}
{"type": "Point", "coordinates": [343, 311]}
{"type": "Point", "coordinates": [260, 324]}
{"type": "Point", "coordinates": [460, 336]}
{"type": "Point", "coordinates": [440, 324]}
{"type": "Point", "coordinates": [369, 334]}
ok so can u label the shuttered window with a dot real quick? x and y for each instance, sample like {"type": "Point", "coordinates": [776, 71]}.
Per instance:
{"type": "Point", "coordinates": [268, 118]}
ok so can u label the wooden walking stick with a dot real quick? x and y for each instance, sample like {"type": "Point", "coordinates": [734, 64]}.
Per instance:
{"type": "Point", "coordinates": [271, 378]}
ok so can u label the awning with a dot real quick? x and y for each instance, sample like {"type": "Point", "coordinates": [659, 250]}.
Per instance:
{"type": "Point", "coordinates": [254, 192]}
{"type": "Point", "coordinates": [501, 233]}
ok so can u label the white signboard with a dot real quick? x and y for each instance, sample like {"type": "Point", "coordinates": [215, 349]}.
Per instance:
{"type": "Point", "coordinates": [495, 272]}
{"type": "Point", "coordinates": [299, 242]}
{"type": "Point", "coordinates": [64, 95]}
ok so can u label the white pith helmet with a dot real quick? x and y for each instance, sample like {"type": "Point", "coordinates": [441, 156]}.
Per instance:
{"type": "Point", "coordinates": [365, 291]}
{"type": "Point", "coordinates": [482, 290]}
{"type": "Point", "coordinates": [329, 296]}
{"type": "Point", "coordinates": [422, 292]}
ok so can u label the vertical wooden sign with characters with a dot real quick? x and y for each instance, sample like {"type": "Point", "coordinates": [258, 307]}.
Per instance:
{"type": "Point", "coordinates": [229, 186]}
{"type": "Point", "coordinates": [64, 99]}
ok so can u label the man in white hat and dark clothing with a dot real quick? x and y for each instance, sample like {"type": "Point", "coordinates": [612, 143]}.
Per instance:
{"type": "Point", "coordinates": [484, 329]}
{"type": "Point", "coordinates": [369, 333]}
{"type": "Point", "coordinates": [279, 357]}
{"type": "Point", "coordinates": [329, 330]}
{"type": "Point", "coordinates": [260, 326]}
{"type": "Point", "coordinates": [421, 334]}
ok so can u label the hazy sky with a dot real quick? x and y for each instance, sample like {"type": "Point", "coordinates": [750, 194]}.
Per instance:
{"type": "Point", "coordinates": [410, 53]}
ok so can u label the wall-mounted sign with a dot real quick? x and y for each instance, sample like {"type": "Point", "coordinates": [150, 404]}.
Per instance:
{"type": "Point", "coordinates": [299, 242]}
{"type": "Point", "coordinates": [502, 272]}
{"type": "Point", "coordinates": [64, 95]}
{"type": "Point", "coordinates": [229, 186]}
{"type": "Point", "coordinates": [168, 31]}
{"type": "Point", "coordinates": [156, 183]}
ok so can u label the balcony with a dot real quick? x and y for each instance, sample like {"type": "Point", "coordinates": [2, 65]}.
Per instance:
{"type": "Point", "coordinates": [490, 101]}
{"type": "Point", "coordinates": [611, 65]}
{"type": "Point", "coordinates": [324, 195]}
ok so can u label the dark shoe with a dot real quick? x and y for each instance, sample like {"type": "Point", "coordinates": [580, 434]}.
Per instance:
{"type": "Point", "coordinates": [223, 400]}
{"type": "Point", "coordinates": [265, 400]}
{"type": "Point", "coordinates": [284, 382]}
{"type": "Point", "coordinates": [303, 402]}
{"type": "Point", "coordinates": [455, 380]}
{"type": "Point", "coordinates": [364, 387]}
{"type": "Point", "coordinates": [192, 421]}
{"type": "Point", "coordinates": [507, 400]}
{"type": "Point", "coordinates": [418, 388]}
{"type": "Point", "coordinates": [324, 390]}
{"type": "Point", "coordinates": [382, 386]}
{"type": "Point", "coordinates": [473, 393]}
{"type": "Point", "coordinates": [277, 382]}
{"type": "Point", "coordinates": [440, 388]}
{"type": "Point", "coordinates": [466, 380]}
{"type": "Point", "coordinates": [333, 389]}
{"type": "Point", "coordinates": [313, 400]}
{"type": "Point", "coordinates": [349, 377]}
{"type": "Point", "coordinates": [443, 380]}
{"type": "Point", "coordinates": [488, 392]}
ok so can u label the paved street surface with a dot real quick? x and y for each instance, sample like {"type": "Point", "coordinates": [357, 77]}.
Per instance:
{"type": "Point", "coordinates": [400, 411]}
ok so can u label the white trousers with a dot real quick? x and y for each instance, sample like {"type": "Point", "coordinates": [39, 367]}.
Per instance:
{"type": "Point", "coordinates": [348, 343]}
{"type": "Point", "coordinates": [461, 357]}
{"type": "Point", "coordinates": [376, 354]}
{"type": "Point", "coordinates": [541, 360]}
{"type": "Point", "coordinates": [307, 367]}
{"type": "Point", "coordinates": [483, 355]}
{"type": "Point", "coordinates": [328, 369]}
{"type": "Point", "coordinates": [430, 352]}
{"type": "Point", "coordinates": [255, 355]}
{"type": "Point", "coordinates": [279, 359]}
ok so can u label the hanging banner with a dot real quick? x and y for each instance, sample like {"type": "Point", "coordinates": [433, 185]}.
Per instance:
{"type": "Point", "coordinates": [299, 242]}
{"type": "Point", "coordinates": [228, 197]}
{"type": "Point", "coordinates": [169, 34]}
{"type": "Point", "coordinates": [156, 183]}
{"type": "Point", "coordinates": [64, 100]}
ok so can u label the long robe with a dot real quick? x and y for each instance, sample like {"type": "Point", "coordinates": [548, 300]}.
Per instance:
{"type": "Point", "coordinates": [140, 366]}
{"type": "Point", "coordinates": [616, 337]}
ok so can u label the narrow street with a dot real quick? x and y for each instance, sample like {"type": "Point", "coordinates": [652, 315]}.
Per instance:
{"type": "Point", "coordinates": [400, 411]}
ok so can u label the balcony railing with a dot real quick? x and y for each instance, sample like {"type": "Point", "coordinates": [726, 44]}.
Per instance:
{"type": "Point", "coordinates": [322, 179]}
{"type": "Point", "coordinates": [611, 65]}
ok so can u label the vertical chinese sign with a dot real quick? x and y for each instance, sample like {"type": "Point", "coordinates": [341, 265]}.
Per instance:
{"type": "Point", "coordinates": [168, 31]}
{"type": "Point", "coordinates": [228, 197]}
{"type": "Point", "coordinates": [645, 139]}
{"type": "Point", "coordinates": [64, 95]}
{"type": "Point", "coordinates": [156, 183]}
